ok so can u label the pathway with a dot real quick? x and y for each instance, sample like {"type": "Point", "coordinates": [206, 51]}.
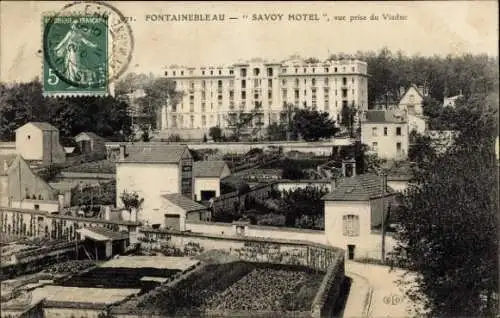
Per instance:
{"type": "Point", "coordinates": [374, 292]}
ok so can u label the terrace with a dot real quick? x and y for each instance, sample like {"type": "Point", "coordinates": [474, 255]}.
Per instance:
{"type": "Point", "coordinates": [82, 285]}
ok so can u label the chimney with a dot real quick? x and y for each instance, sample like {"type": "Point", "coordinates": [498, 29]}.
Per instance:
{"type": "Point", "coordinates": [421, 89]}
{"type": "Point", "coordinates": [384, 183]}
{"type": "Point", "coordinates": [333, 184]}
{"type": "Point", "coordinates": [107, 212]}
{"type": "Point", "coordinates": [402, 91]}
{"type": "Point", "coordinates": [60, 200]}
{"type": "Point", "coordinates": [122, 152]}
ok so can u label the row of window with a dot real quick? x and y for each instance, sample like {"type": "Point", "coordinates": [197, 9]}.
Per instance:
{"type": "Point", "coordinates": [257, 99]}
{"type": "Point", "coordinates": [326, 93]}
{"type": "Point", "coordinates": [258, 94]}
{"type": "Point", "coordinates": [386, 131]}
{"type": "Point", "coordinates": [375, 146]}
{"type": "Point", "coordinates": [325, 69]}
{"type": "Point", "coordinates": [257, 71]}
{"type": "Point", "coordinates": [257, 82]}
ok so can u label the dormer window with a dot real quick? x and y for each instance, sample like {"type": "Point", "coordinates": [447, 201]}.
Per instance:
{"type": "Point", "coordinates": [29, 137]}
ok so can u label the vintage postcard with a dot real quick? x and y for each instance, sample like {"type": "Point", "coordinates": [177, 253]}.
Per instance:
{"type": "Point", "coordinates": [249, 159]}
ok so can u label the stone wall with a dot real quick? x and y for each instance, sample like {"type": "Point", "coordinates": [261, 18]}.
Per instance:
{"type": "Point", "coordinates": [32, 223]}
{"type": "Point", "coordinates": [318, 148]}
{"type": "Point", "coordinates": [280, 251]}
{"type": "Point", "coordinates": [255, 249]}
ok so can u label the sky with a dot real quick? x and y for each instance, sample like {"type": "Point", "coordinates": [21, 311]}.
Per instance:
{"type": "Point", "coordinates": [449, 27]}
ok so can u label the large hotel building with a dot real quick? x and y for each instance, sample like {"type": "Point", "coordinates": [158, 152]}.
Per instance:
{"type": "Point", "coordinates": [216, 95]}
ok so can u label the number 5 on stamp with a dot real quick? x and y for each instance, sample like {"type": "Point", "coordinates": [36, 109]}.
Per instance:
{"type": "Point", "coordinates": [75, 55]}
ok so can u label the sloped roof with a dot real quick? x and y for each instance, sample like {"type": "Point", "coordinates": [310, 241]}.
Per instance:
{"type": "Point", "coordinates": [183, 202]}
{"type": "Point", "coordinates": [359, 188]}
{"type": "Point", "coordinates": [409, 88]}
{"type": "Point", "coordinates": [103, 234]}
{"type": "Point", "coordinates": [385, 116]}
{"type": "Point", "coordinates": [41, 125]}
{"type": "Point", "coordinates": [209, 168]}
{"type": "Point", "coordinates": [154, 153]}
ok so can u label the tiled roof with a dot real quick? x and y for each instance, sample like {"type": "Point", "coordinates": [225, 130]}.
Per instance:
{"type": "Point", "coordinates": [209, 168]}
{"type": "Point", "coordinates": [359, 188]}
{"type": "Point", "coordinates": [42, 125]}
{"type": "Point", "coordinates": [110, 234]}
{"type": "Point", "coordinates": [183, 202]}
{"type": "Point", "coordinates": [154, 153]}
{"type": "Point", "coordinates": [385, 116]}
{"type": "Point", "coordinates": [416, 89]}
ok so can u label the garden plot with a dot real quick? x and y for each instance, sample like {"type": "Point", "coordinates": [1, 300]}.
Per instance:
{"type": "Point", "coordinates": [232, 288]}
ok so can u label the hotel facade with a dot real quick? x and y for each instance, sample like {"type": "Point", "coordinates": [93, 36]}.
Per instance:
{"type": "Point", "coordinates": [217, 95]}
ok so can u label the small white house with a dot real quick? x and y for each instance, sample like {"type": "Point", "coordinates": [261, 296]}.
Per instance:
{"type": "Point", "coordinates": [386, 133]}
{"type": "Point", "coordinates": [36, 141]}
{"type": "Point", "coordinates": [412, 100]}
{"type": "Point", "coordinates": [451, 101]}
{"type": "Point", "coordinates": [353, 215]}
{"type": "Point", "coordinates": [207, 176]}
{"type": "Point", "coordinates": [90, 142]}
{"type": "Point", "coordinates": [178, 208]}
{"type": "Point", "coordinates": [152, 170]}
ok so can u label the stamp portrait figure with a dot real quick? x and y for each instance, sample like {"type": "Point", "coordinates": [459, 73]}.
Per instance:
{"type": "Point", "coordinates": [73, 47]}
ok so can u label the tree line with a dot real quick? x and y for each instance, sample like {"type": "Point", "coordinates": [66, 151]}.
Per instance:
{"type": "Point", "coordinates": [471, 75]}
{"type": "Point", "coordinates": [449, 217]}
{"type": "Point", "coordinates": [21, 103]}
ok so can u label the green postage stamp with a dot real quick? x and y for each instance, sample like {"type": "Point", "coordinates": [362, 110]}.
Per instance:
{"type": "Point", "coordinates": [75, 55]}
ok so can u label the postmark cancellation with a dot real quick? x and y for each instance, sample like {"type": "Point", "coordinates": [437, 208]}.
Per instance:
{"type": "Point", "coordinates": [86, 46]}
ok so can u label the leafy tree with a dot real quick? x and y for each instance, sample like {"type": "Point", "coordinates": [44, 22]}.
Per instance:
{"type": "Point", "coordinates": [105, 194]}
{"type": "Point", "coordinates": [131, 201]}
{"type": "Point", "coordinates": [313, 125]}
{"type": "Point", "coordinates": [276, 132]}
{"type": "Point", "coordinates": [449, 219]}
{"type": "Point", "coordinates": [421, 149]}
{"type": "Point", "coordinates": [22, 103]}
{"type": "Point", "coordinates": [431, 107]}
{"type": "Point", "coordinates": [145, 134]}
{"type": "Point", "coordinates": [161, 91]}
{"type": "Point", "coordinates": [242, 119]}
{"type": "Point", "coordinates": [441, 75]}
{"type": "Point", "coordinates": [215, 133]}
{"type": "Point", "coordinates": [292, 171]}
{"type": "Point", "coordinates": [303, 201]}
{"type": "Point", "coordinates": [287, 114]}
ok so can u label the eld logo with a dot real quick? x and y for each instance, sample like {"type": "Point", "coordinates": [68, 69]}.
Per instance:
{"type": "Point", "coordinates": [393, 300]}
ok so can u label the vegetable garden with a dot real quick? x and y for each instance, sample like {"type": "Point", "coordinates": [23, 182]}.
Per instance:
{"type": "Point", "coordinates": [225, 289]}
